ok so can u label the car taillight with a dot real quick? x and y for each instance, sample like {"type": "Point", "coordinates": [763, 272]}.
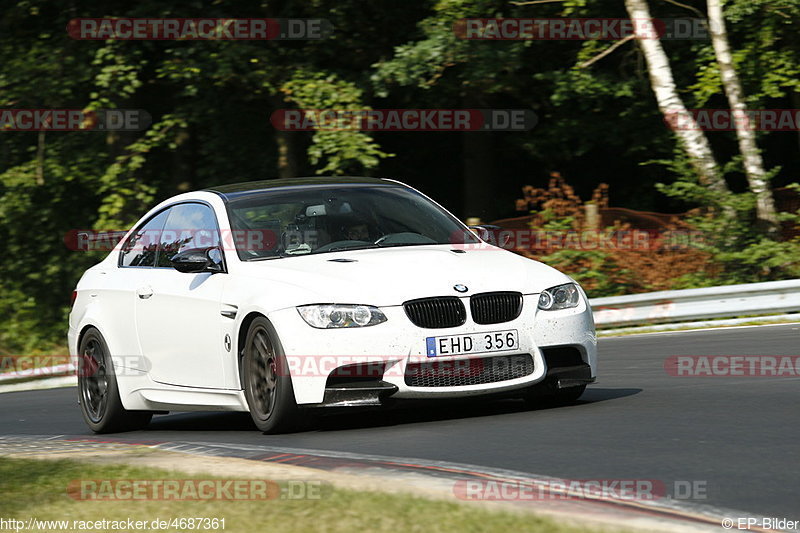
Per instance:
{"type": "Point", "coordinates": [74, 297]}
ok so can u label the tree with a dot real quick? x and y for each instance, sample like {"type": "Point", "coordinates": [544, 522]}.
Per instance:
{"type": "Point", "coordinates": [753, 164]}
{"type": "Point", "coordinates": [670, 103]}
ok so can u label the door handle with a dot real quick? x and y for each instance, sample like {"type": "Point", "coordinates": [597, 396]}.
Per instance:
{"type": "Point", "coordinates": [144, 292]}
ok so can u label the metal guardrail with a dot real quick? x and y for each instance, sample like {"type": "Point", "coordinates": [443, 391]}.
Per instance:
{"type": "Point", "coordinates": [38, 372]}
{"type": "Point", "coordinates": [752, 299]}
{"type": "Point", "coordinates": [768, 298]}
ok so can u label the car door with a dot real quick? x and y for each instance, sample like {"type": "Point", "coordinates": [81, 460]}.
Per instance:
{"type": "Point", "coordinates": [117, 290]}
{"type": "Point", "coordinates": [178, 316]}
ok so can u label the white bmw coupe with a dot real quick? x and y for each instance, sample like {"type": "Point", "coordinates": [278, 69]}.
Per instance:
{"type": "Point", "coordinates": [277, 296]}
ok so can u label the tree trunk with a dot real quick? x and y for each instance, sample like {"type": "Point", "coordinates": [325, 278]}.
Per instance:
{"type": "Point", "coordinates": [794, 98]}
{"type": "Point", "coordinates": [477, 159]}
{"type": "Point", "coordinates": [285, 142]}
{"type": "Point", "coordinates": [40, 159]}
{"type": "Point", "coordinates": [183, 159]}
{"type": "Point", "coordinates": [287, 163]}
{"type": "Point", "coordinates": [693, 139]}
{"type": "Point", "coordinates": [478, 177]}
{"type": "Point", "coordinates": [753, 164]}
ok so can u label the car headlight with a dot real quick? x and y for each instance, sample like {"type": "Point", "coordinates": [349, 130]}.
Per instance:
{"type": "Point", "coordinates": [559, 297]}
{"type": "Point", "coordinates": [328, 316]}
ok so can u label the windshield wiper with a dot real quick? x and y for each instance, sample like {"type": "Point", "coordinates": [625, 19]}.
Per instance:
{"type": "Point", "coordinates": [302, 250]}
{"type": "Point", "coordinates": [373, 246]}
{"type": "Point", "coordinates": [359, 247]}
{"type": "Point", "coordinates": [395, 244]}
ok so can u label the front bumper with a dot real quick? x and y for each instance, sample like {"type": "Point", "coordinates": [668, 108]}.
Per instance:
{"type": "Point", "coordinates": [390, 350]}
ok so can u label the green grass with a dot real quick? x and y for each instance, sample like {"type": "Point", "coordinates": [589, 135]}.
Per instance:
{"type": "Point", "coordinates": [38, 489]}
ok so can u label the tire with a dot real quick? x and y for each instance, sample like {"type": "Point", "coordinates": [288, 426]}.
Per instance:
{"type": "Point", "coordinates": [548, 395]}
{"type": "Point", "coordinates": [98, 394]}
{"type": "Point", "coordinates": [266, 380]}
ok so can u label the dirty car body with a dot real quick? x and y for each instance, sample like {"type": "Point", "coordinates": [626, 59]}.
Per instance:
{"type": "Point", "coordinates": [274, 296]}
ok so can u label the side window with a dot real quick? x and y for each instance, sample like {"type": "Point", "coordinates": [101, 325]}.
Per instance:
{"type": "Point", "coordinates": [140, 248]}
{"type": "Point", "coordinates": [188, 226]}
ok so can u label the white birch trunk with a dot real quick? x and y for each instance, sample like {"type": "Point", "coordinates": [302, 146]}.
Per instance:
{"type": "Point", "coordinates": [753, 164]}
{"type": "Point", "coordinates": [692, 138]}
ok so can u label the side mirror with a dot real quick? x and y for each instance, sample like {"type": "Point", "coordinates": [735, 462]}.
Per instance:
{"type": "Point", "coordinates": [198, 260]}
{"type": "Point", "coordinates": [492, 234]}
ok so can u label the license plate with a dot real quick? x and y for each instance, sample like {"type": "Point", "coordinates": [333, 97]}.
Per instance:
{"type": "Point", "coordinates": [492, 341]}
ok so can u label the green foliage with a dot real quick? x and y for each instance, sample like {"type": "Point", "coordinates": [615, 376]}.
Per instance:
{"type": "Point", "coordinates": [741, 252]}
{"type": "Point", "coordinates": [338, 151]}
{"type": "Point", "coordinates": [39, 271]}
{"type": "Point", "coordinates": [768, 52]}
{"type": "Point", "coordinates": [598, 271]}
{"type": "Point", "coordinates": [211, 103]}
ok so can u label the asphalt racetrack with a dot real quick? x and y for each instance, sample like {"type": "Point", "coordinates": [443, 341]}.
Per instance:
{"type": "Point", "coordinates": [738, 436]}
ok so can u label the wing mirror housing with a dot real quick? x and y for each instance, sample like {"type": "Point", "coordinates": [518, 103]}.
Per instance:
{"type": "Point", "coordinates": [198, 260]}
{"type": "Point", "coordinates": [492, 234]}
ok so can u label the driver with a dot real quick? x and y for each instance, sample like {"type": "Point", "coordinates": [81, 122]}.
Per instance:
{"type": "Point", "coordinates": [358, 232]}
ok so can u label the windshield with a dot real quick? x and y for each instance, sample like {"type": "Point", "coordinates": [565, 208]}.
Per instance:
{"type": "Point", "coordinates": [317, 220]}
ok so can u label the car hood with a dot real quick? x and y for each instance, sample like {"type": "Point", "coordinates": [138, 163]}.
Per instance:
{"type": "Point", "coordinates": [390, 276]}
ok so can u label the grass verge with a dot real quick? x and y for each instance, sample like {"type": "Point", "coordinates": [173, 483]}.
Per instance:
{"type": "Point", "coordinates": [39, 489]}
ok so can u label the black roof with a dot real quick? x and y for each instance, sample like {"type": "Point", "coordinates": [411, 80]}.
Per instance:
{"type": "Point", "coordinates": [233, 190]}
